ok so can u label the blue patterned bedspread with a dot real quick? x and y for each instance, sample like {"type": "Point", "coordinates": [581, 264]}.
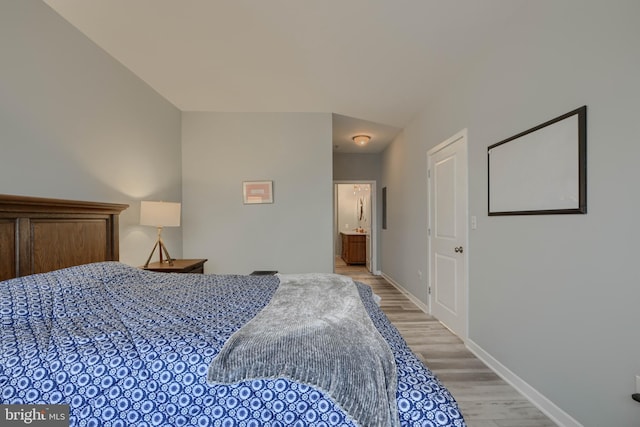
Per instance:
{"type": "Point", "coordinates": [123, 346]}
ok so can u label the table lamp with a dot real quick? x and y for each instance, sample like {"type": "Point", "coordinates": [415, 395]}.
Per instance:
{"type": "Point", "coordinates": [160, 214]}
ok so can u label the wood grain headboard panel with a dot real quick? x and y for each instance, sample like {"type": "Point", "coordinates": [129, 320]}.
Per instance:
{"type": "Point", "coordinates": [39, 235]}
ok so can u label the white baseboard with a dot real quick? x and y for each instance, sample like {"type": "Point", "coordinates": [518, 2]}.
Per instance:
{"type": "Point", "coordinates": [422, 306]}
{"type": "Point", "coordinates": [549, 408]}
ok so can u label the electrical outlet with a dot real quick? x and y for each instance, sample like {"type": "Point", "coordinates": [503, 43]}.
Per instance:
{"type": "Point", "coordinates": [637, 383]}
{"type": "Point", "coordinates": [474, 222]}
{"type": "Point", "coordinates": [419, 274]}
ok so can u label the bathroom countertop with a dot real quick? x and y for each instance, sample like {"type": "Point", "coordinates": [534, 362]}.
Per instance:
{"type": "Point", "coordinates": [354, 233]}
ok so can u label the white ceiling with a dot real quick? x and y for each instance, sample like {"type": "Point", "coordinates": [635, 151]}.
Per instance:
{"type": "Point", "coordinates": [373, 63]}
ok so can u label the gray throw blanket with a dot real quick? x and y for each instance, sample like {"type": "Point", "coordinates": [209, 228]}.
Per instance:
{"type": "Point", "coordinates": [316, 331]}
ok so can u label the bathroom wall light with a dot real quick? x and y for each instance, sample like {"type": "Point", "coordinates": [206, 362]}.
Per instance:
{"type": "Point", "coordinates": [361, 139]}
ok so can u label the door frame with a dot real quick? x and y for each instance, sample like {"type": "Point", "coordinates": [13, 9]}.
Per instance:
{"type": "Point", "coordinates": [374, 222]}
{"type": "Point", "coordinates": [455, 138]}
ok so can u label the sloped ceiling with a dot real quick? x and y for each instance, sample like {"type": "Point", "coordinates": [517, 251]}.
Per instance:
{"type": "Point", "coordinates": [369, 61]}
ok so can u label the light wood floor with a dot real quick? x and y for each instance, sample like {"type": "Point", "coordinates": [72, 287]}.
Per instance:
{"type": "Point", "coordinates": [484, 398]}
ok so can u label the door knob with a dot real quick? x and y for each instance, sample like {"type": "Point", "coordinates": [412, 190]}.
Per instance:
{"type": "Point", "coordinates": [458, 249]}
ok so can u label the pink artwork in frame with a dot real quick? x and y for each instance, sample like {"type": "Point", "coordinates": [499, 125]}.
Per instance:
{"type": "Point", "coordinates": [254, 192]}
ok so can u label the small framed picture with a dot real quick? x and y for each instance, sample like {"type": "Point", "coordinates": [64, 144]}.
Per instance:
{"type": "Point", "coordinates": [255, 192]}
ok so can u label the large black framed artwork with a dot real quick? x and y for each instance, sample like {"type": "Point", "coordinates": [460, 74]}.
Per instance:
{"type": "Point", "coordinates": [542, 170]}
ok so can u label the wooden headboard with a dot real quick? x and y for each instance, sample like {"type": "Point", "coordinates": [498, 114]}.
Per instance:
{"type": "Point", "coordinates": [39, 235]}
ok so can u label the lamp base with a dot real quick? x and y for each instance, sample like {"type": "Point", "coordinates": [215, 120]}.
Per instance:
{"type": "Point", "coordinates": [159, 243]}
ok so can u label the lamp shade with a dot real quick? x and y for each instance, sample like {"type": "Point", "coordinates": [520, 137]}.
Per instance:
{"type": "Point", "coordinates": [160, 214]}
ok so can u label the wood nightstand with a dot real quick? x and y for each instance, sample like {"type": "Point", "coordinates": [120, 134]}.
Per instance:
{"type": "Point", "coordinates": [179, 266]}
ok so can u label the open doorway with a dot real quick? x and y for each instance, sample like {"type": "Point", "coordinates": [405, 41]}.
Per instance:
{"type": "Point", "coordinates": [355, 223]}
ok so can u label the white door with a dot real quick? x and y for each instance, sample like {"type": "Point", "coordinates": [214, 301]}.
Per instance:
{"type": "Point", "coordinates": [448, 233]}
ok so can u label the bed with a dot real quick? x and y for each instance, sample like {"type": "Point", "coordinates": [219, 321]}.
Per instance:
{"type": "Point", "coordinates": [124, 346]}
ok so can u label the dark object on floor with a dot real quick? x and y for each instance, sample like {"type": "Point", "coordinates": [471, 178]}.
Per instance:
{"type": "Point", "coordinates": [264, 273]}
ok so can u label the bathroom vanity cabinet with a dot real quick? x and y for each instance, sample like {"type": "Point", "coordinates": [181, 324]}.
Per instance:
{"type": "Point", "coordinates": [354, 247]}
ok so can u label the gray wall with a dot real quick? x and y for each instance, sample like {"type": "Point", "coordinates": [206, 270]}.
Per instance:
{"type": "Point", "coordinates": [220, 151]}
{"type": "Point", "coordinates": [75, 124]}
{"type": "Point", "coordinates": [552, 298]}
{"type": "Point", "coordinates": [357, 167]}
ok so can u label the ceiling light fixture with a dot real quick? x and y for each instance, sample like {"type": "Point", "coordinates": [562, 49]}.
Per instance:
{"type": "Point", "coordinates": [361, 139]}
